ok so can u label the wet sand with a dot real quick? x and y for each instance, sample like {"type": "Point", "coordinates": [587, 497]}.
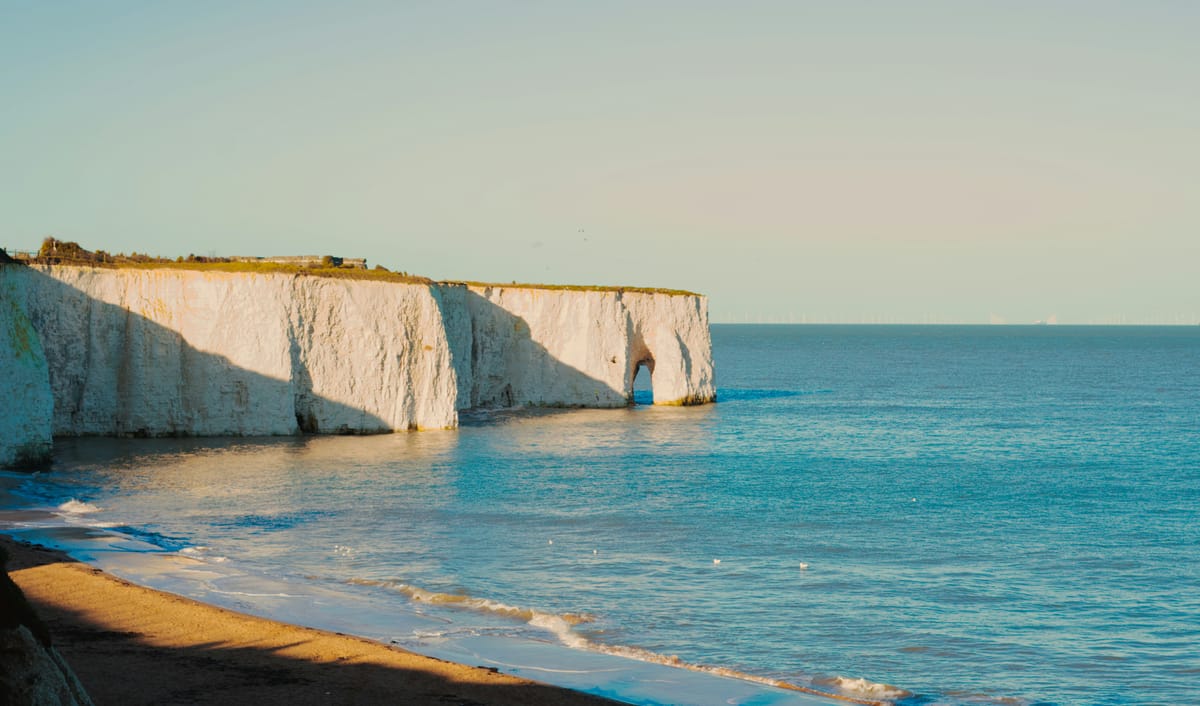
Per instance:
{"type": "Point", "coordinates": [134, 645]}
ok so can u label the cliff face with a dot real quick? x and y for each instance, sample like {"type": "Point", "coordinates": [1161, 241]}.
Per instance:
{"type": "Point", "coordinates": [174, 352]}
{"type": "Point", "coordinates": [24, 382]}
{"type": "Point", "coordinates": [165, 352]}
{"type": "Point", "coordinates": [557, 347]}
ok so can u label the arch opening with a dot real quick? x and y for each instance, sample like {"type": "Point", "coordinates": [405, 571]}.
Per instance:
{"type": "Point", "coordinates": [643, 382]}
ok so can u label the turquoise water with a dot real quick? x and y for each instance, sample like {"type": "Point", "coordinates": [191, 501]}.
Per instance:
{"type": "Point", "coordinates": [969, 514]}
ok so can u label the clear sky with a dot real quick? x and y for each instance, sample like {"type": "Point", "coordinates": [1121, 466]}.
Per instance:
{"type": "Point", "coordinates": [835, 161]}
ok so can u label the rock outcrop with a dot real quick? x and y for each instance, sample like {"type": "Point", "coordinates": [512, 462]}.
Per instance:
{"type": "Point", "coordinates": [176, 352]}
{"type": "Point", "coordinates": [32, 672]}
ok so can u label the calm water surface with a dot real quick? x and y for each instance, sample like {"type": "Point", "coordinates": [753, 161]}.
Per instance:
{"type": "Point", "coordinates": [971, 514]}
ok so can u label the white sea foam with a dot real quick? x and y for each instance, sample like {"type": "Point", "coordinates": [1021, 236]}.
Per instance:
{"type": "Point", "coordinates": [858, 691]}
{"type": "Point", "coordinates": [864, 689]}
{"type": "Point", "coordinates": [77, 507]}
{"type": "Point", "coordinates": [560, 628]}
{"type": "Point", "coordinates": [480, 605]}
{"type": "Point", "coordinates": [200, 551]}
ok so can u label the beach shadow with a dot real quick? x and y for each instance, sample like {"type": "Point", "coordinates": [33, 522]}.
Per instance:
{"type": "Point", "coordinates": [120, 661]}
{"type": "Point", "coordinates": [115, 372]}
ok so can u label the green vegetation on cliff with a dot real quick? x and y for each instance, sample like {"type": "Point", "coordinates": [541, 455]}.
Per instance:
{"type": "Point", "coordinates": [379, 274]}
{"type": "Point", "coordinates": [60, 252]}
{"type": "Point", "coordinates": [576, 287]}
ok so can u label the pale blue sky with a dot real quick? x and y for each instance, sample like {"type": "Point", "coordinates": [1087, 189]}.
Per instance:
{"type": "Point", "coordinates": [837, 161]}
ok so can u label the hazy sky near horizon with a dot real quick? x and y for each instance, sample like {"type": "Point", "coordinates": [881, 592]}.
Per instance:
{"type": "Point", "coordinates": [838, 161]}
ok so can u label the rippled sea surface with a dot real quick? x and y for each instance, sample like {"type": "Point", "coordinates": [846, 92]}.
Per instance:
{"type": "Point", "coordinates": [970, 514]}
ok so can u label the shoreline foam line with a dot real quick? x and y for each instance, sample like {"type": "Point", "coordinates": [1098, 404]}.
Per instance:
{"type": "Point", "coordinates": [611, 676]}
{"type": "Point", "coordinates": [560, 626]}
{"type": "Point", "coordinates": [212, 581]}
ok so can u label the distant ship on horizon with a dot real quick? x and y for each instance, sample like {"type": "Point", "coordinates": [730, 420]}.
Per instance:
{"type": "Point", "coordinates": [1048, 321]}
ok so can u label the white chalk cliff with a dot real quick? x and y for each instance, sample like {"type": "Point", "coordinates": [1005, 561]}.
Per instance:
{"type": "Point", "coordinates": [561, 347]}
{"type": "Point", "coordinates": [24, 381]}
{"type": "Point", "coordinates": [173, 352]}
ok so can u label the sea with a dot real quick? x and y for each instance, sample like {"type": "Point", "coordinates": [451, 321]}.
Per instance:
{"type": "Point", "coordinates": [902, 514]}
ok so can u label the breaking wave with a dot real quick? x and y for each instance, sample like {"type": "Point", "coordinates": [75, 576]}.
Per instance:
{"type": "Point", "coordinates": [857, 691]}
{"type": "Point", "coordinates": [479, 605]}
{"type": "Point", "coordinates": [77, 507]}
{"type": "Point", "coordinates": [202, 553]}
{"type": "Point", "coordinates": [863, 689]}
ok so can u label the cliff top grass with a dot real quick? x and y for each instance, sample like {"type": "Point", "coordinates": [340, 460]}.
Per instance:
{"type": "Point", "coordinates": [381, 275]}
{"type": "Point", "coordinates": [58, 252]}
{"type": "Point", "coordinates": [576, 287]}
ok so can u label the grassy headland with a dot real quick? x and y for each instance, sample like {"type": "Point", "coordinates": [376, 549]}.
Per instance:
{"type": "Point", "coordinates": [576, 287]}
{"type": "Point", "coordinates": [60, 252]}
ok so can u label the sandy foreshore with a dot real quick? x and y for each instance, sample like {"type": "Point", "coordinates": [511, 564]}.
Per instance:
{"type": "Point", "coordinates": [133, 645]}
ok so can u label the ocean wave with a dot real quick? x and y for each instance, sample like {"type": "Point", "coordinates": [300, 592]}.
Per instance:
{"type": "Point", "coordinates": [78, 507]}
{"type": "Point", "coordinates": [865, 698]}
{"type": "Point", "coordinates": [857, 691]}
{"type": "Point", "coordinates": [157, 539]}
{"type": "Point", "coordinates": [202, 553]}
{"type": "Point", "coordinates": [864, 689]}
{"type": "Point", "coordinates": [479, 605]}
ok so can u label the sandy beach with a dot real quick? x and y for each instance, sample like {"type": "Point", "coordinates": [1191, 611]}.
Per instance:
{"type": "Point", "coordinates": [133, 645]}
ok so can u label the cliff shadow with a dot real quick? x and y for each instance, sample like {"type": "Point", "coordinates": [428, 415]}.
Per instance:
{"type": "Point", "coordinates": [508, 368]}
{"type": "Point", "coordinates": [600, 352]}
{"type": "Point", "coordinates": [116, 372]}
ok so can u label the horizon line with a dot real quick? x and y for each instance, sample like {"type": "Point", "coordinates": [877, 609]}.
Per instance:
{"type": "Point", "coordinates": [1032, 324]}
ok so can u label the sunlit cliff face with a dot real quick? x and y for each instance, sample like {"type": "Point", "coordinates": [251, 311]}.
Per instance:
{"type": "Point", "coordinates": [161, 352]}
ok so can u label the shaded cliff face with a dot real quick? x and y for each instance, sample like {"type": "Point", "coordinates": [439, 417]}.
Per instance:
{"type": "Point", "coordinates": [164, 352]}
{"type": "Point", "coordinates": [25, 413]}
{"type": "Point", "coordinates": [174, 352]}
{"type": "Point", "coordinates": [554, 347]}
